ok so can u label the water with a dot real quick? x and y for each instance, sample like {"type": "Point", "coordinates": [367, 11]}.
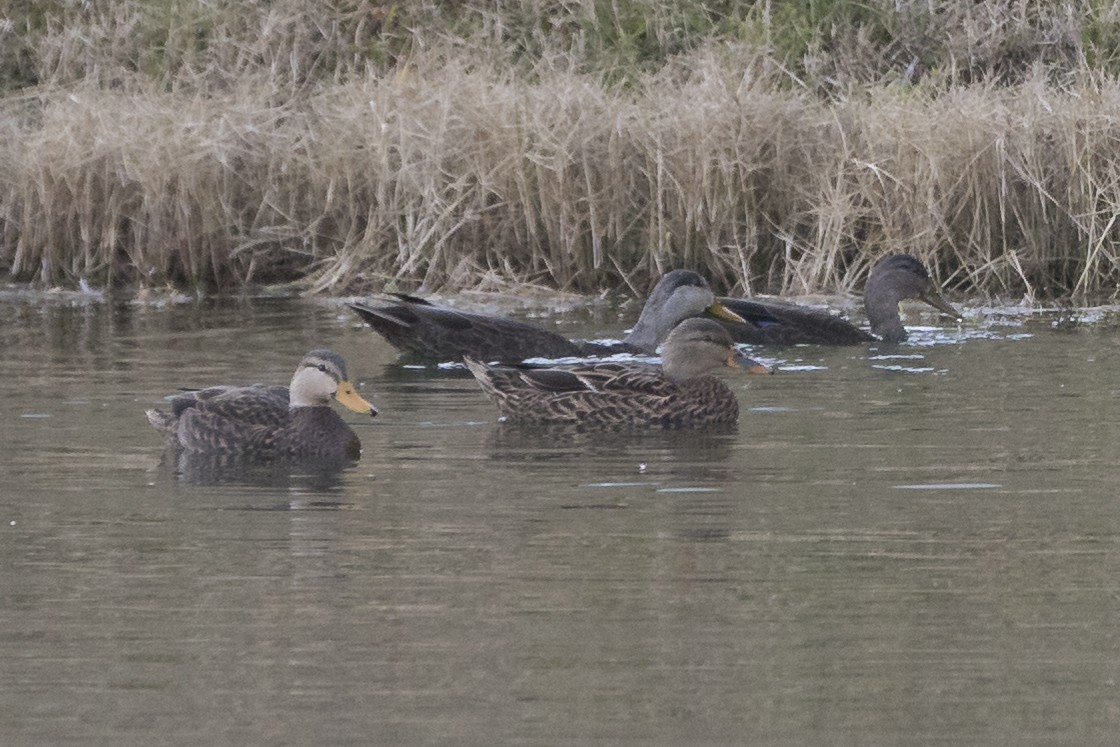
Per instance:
{"type": "Point", "coordinates": [894, 546]}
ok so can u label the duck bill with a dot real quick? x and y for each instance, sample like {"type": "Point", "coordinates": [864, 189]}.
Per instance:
{"type": "Point", "coordinates": [719, 311]}
{"type": "Point", "coordinates": [349, 398]}
{"type": "Point", "coordinates": [934, 299]}
{"type": "Point", "coordinates": [737, 359]}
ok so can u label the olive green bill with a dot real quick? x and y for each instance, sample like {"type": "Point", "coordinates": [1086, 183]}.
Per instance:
{"type": "Point", "coordinates": [719, 311]}
{"type": "Point", "coordinates": [937, 301]}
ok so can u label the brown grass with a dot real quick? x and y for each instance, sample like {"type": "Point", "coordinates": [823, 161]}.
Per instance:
{"type": "Point", "coordinates": [454, 170]}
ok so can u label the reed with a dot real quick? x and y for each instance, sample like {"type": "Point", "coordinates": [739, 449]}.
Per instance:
{"type": "Point", "coordinates": [357, 156]}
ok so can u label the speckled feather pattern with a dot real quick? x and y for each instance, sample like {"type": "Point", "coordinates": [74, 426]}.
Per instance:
{"type": "Point", "coordinates": [255, 420]}
{"type": "Point", "coordinates": [607, 395]}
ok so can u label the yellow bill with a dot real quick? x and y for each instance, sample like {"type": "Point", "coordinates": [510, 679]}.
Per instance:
{"type": "Point", "coordinates": [348, 397]}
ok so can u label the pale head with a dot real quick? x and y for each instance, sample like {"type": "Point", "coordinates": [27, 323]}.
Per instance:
{"type": "Point", "coordinates": [320, 377]}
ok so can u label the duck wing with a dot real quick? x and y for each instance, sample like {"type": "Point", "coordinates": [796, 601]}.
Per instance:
{"type": "Point", "coordinates": [223, 418]}
{"type": "Point", "coordinates": [777, 323]}
{"type": "Point", "coordinates": [599, 377]}
{"type": "Point", "coordinates": [255, 404]}
{"type": "Point", "coordinates": [208, 431]}
{"type": "Point", "coordinates": [428, 332]}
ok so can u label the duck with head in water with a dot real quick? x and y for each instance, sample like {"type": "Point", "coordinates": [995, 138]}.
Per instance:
{"type": "Point", "coordinates": [275, 422]}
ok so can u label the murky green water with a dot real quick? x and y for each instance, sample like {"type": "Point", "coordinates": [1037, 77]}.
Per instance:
{"type": "Point", "coordinates": [908, 546]}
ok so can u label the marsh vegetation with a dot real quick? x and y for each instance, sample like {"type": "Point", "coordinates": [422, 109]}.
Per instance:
{"type": "Point", "coordinates": [351, 145]}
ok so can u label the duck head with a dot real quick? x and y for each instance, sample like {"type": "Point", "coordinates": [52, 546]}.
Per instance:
{"type": "Point", "coordinates": [320, 377]}
{"type": "Point", "coordinates": [700, 346]}
{"type": "Point", "coordinates": [679, 295]}
{"type": "Point", "coordinates": [893, 279]}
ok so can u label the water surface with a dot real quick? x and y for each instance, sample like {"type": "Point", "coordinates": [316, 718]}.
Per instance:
{"type": "Point", "coordinates": [896, 545]}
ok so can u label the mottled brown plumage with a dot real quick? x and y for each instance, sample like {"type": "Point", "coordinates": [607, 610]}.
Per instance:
{"type": "Point", "coordinates": [293, 422]}
{"type": "Point", "coordinates": [894, 278]}
{"type": "Point", "coordinates": [681, 393]}
{"type": "Point", "coordinates": [427, 332]}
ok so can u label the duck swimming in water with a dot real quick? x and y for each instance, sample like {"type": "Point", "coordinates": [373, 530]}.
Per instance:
{"type": "Point", "coordinates": [682, 392]}
{"type": "Point", "coordinates": [433, 333]}
{"type": "Point", "coordinates": [894, 278]}
{"type": "Point", "coordinates": [275, 422]}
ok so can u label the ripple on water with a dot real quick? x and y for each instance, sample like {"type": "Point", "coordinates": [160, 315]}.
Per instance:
{"type": "Point", "coordinates": [950, 486]}
{"type": "Point", "coordinates": [667, 587]}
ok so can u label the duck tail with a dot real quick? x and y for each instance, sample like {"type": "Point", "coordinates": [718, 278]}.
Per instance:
{"type": "Point", "coordinates": [389, 318]}
{"type": "Point", "coordinates": [479, 369]}
{"type": "Point", "coordinates": [160, 420]}
{"type": "Point", "coordinates": [484, 375]}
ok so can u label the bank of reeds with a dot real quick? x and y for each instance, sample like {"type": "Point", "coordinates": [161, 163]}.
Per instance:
{"type": "Point", "coordinates": [447, 169]}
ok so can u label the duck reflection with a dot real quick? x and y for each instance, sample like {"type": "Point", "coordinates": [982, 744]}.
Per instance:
{"type": "Point", "coordinates": [688, 475]}
{"type": "Point", "coordinates": [689, 452]}
{"type": "Point", "coordinates": [203, 469]}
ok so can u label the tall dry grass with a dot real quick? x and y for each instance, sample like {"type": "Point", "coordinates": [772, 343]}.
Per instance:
{"type": "Point", "coordinates": [453, 169]}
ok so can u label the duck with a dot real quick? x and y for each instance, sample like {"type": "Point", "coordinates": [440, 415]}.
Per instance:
{"type": "Point", "coordinates": [275, 422]}
{"type": "Point", "coordinates": [427, 332]}
{"type": "Point", "coordinates": [683, 392]}
{"type": "Point", "coordinates": [894, 278]}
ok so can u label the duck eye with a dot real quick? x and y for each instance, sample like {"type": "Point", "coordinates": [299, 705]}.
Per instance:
{"type": "Point", "coordinates": [322, 367]}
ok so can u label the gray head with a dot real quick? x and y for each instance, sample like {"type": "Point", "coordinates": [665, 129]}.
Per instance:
{"type": "Point", "coordinates": [894, 278]}
{"type": "Point", "coordinates": [679, 295]}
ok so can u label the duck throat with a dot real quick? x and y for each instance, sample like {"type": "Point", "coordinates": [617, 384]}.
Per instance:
{"type": "Point", "coordinates": [884, 318]}
{"type": "Point", "coordinates": [647, 334]}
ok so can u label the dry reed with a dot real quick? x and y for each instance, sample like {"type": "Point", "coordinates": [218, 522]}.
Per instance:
{"type": "Point", "coordinates": [451, 169]}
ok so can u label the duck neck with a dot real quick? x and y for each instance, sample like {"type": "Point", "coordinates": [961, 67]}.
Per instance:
{"type": "Point", "coordinates": [880, 302]}
{"type": "Point", "coordinates": [652, 327]}
{"type": "Point", "coordinates": [886, 324]}
{"type": "Point", "coordinates": [679, 367]}
{"type": "Point", "coordinates": [300, 388]}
